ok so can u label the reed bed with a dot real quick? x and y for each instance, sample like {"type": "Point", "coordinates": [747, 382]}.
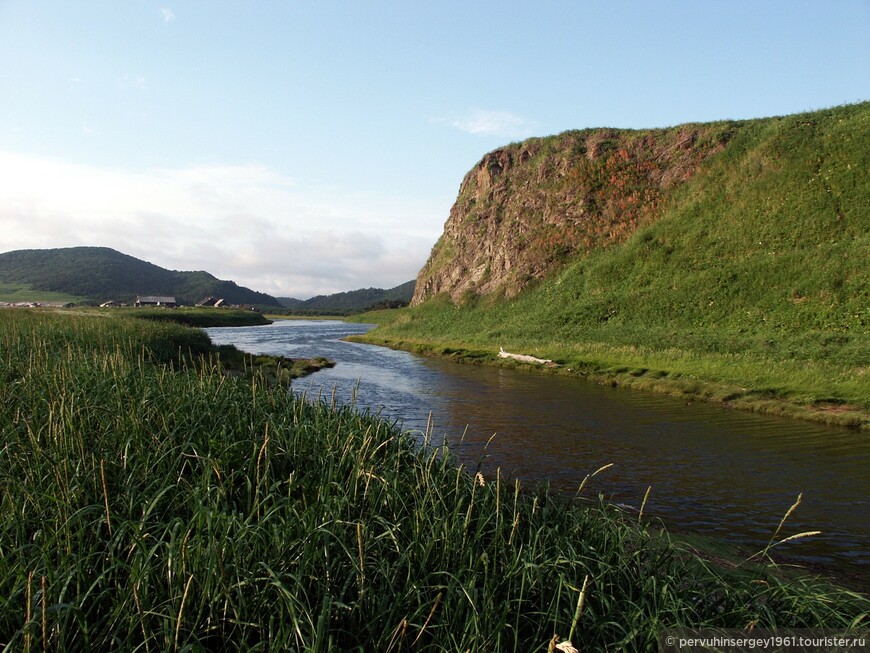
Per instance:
{"type": "Point", "coordinates": [151, 504]}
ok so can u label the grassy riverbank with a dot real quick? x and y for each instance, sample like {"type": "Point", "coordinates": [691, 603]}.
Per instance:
{"type": "Point", "coordinates": [273, 369]}
{"type": "Point", "coordinates": [198, 317]}
{"type": "Point", "coordinates": [816, 375]}
{"type": "Point", "coordinates": [150, 504]}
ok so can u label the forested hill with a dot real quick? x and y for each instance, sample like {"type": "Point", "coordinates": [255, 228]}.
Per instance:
{"type": "Point", "coordinates": [100, 274]}
{"type": "Point", "coordinates": [354, 301]}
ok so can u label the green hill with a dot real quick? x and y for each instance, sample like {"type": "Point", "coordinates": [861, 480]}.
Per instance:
{"type": "Point", "coordinates": [737, 272]}
{"type": "Point", "coordinates": [98, 274]}
{"type": "Point", "coordinates": [354, 301]}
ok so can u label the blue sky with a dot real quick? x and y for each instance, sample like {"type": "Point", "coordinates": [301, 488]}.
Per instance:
{"type": "Point", "coordinates": [301, 148]}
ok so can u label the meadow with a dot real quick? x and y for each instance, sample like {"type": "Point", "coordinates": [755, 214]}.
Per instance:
{"type": "Point", "coordinates": [14, 293]}
{"type": "Point", "coordinates": [151, 502]}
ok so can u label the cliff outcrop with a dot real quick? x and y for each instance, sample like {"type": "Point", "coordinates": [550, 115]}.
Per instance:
{"type": "Point", "coordinates": [527, 209]}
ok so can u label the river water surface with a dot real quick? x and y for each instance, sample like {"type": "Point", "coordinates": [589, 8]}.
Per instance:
{"type": "Point", "coordinates": [725, 474]}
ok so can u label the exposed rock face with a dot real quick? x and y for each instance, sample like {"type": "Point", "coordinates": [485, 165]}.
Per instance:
{"type": "Point", "coordinates": [528, 208]}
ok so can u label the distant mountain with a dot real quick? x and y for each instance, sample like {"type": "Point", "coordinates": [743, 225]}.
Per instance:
{"type": "Point", "coordinates": [99, 274]}
{"type": "Point", "coordinates": [354, 301]}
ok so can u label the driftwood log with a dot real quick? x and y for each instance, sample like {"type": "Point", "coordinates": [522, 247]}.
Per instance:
{"type": "Point", "coordinates": [522, 357]}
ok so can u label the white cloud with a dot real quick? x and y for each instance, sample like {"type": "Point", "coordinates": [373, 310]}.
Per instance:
{"type": "Point", "coordinates": [168, 15]}
{"type": "Point", "coordinates": [492, 123]}
{"type": "Point", "coordinates": [129, 81]}
{"type": "Point", "coordinates": [246, 223]}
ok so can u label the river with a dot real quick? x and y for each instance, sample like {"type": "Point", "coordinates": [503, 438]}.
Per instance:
{"type": "Point", "coordinates": [719, 473]}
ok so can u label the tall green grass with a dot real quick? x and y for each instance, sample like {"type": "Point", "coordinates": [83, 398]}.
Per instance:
{"type": "Point", "coordinates": [147, 505]}
{"type": "Point", "coordinates": [200, 317]}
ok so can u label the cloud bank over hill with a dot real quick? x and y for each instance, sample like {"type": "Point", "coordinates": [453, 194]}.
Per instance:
{"type": "Point", "coordinates": [242, 222]}
{"type": "Point", "coordinates": [314, 148]}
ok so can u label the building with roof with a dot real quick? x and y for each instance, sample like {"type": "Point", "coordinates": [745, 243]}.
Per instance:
{"type": "Point", "coordinates": [169, 302]}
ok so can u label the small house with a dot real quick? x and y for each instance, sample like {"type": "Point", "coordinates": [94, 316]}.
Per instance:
{"type": "Point", "coordinates": [169, 302]}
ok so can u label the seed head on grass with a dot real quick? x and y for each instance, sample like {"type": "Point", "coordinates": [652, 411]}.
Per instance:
{"type": "Point", "coordinates": [764, 552]}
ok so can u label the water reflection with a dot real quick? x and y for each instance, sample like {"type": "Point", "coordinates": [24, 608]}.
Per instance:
{"type": "Point", "coordinates": [716, 472]}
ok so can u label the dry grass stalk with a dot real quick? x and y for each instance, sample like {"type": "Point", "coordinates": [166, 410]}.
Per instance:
{"type": "Point", "coordinates": [27, 614]}
{"type": "Point", "coordinates": [44, 637]}
{"type": "Point", "coordinates": [181, 611]}
{"type": "Point", "coordinates": [643, 504]}
{"type": "Point", "coordinates": [429, 618]}
{"type": "Point", "coordinates": [788, 513]}
{"type": "Point", "coordinates": [588, 476]}
{"type": "Point", "coordinates": [580, 600]}
{"type": "Point", "coordinates": [362, 563]}
{"type": "Point", "coordinates": [398, 635]}
{"type": "Point", "coordinates": [105, 495]}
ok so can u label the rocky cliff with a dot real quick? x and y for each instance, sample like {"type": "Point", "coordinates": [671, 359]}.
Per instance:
{"type": "Point", "coordinates": [527, 209]}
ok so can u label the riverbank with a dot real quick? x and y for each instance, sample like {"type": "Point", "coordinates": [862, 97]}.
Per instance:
{"type": "Point", "coordinates": [197, 316]}
{"type": "Point", "coordinates": [197, 349]}
{"type": "Point", "coordinates": [277, 317]}
{"type": "Point", "coordinates": [279, 370]}
{"type": "Point", "coordinates": [706, 366]}
{"type": "Point", "coordinates": [150, 502]}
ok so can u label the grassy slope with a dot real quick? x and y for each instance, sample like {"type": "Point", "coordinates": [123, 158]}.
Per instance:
{"type": "Point", "coordinates": [752, 287]}
{"type": "Point", "coordinates": [153, 509]}
{"type": "Point", "coordinates": [22, 293]}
